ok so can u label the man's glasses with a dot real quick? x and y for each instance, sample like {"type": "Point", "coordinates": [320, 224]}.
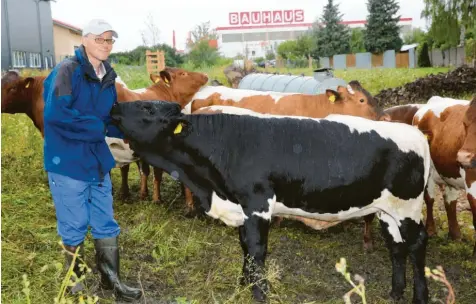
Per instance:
{"type": "Point", "coordinates": [100, 40]}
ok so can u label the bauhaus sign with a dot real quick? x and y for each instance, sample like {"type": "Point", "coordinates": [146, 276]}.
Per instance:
{"type": "Point", "coordinates": [266, 17]}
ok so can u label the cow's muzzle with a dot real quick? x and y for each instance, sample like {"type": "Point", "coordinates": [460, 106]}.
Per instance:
{"type": "Point", "coordinates": [466, 159]}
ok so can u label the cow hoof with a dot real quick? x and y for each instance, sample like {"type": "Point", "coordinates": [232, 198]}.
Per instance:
{"type": "Point", "coordinates": [259, 295]}
{"type": "Point", "coordinates": [455, 236]}
{"type": "Point", "coordinates": [396, 297]}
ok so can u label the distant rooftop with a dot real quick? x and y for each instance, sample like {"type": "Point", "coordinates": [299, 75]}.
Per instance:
{"type": "Point", "coordinates": [68, 26]}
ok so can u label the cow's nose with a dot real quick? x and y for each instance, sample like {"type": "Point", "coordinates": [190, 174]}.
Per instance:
{"type": "Point", "coordinates": [466, 159]}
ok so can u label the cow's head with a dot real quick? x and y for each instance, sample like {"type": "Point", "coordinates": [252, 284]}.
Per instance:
{"type": "Point", "coordinates": [183, 84]}
{"type": "Point", "coordinates": [357, 101]}
{"type": "Point", "coordinates": [467, 154]}
{"type": "Point", "coordinates": [17, 92]}
{"type": "Point", "coordinates": [149, 122]}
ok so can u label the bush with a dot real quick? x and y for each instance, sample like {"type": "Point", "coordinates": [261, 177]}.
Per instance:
{"type": "Point", "coordinates": [423, 57]}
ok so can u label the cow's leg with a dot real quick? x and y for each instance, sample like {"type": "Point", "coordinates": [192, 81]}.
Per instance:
{"type": "Point", "coordinates": [471, 195]}
{"type": "Point", "coordinates": [190, 208]}
{"type": "Point", "coordinates": [368, 239]}
{"type": "Point", "coordinates": [254, 242]}
{"type": "Point", "coordinates": [451, 198]}
{"type": "Point", "coordinates": [430, 220]}
{"type": "Point", "coordinates": [398, 255]}
{"type": "Point", "coordinates": [157, 180]}
{"type": "Point", "coordinates": [144, 175]}
{"type": "Point", "coordinates": [416, 238]}
{"type": "Point", "coordinates": [124, 192]}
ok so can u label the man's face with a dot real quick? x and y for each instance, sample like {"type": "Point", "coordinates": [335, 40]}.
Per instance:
{"type": "Point", "coordinates": [99, 46]}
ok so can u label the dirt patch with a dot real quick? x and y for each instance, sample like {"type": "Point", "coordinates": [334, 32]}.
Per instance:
{"type": "Point", "coordinates": [454, 83]}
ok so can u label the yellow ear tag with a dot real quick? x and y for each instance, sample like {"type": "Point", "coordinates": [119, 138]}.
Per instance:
{"type": "Point", "coordinates": [427, 136]}
{"type": "Point", "coordinates": [27, 84]}
{"type": "Point", "coordinates": [157, 80]}
{"type": "Point", "coordinates": [166, 80]}
{"type": "Point", "coordinates": [178, 129]}
{"type": "Point", "coordinates": [332, 98]}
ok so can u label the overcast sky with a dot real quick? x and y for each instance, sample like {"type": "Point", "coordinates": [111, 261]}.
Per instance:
{"type": "Point", "coordinates": [129, 16]}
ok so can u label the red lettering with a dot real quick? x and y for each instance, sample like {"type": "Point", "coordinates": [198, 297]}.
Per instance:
{"type": "Point", "coordinates": [266, 17]}
{"type": "Point", "coordinates": [234, 18]}
{"type": "Point", "coordinates": [298, 15]}
{"type": "Point", "coordinates": [277, 17]}
{"type": "Point", "coordinates": [288, 16]}
{"type": "Point", "coordinates": [245, 18]}
{"type": "Point", "coordinates": [255, 17]}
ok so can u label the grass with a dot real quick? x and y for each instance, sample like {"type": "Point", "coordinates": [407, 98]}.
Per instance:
{"type": "Point", "coordinates": [183, 260]}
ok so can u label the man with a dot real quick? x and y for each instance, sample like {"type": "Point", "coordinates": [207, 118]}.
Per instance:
{"type": "Point", "coordinates": [79, 94]}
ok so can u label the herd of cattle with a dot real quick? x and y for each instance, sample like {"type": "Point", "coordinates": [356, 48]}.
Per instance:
{"type": "Point", "coordinates": [246, 156]}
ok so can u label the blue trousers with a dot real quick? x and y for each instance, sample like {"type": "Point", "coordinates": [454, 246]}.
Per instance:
{"type": "Point", "coordinates": [80, 204]}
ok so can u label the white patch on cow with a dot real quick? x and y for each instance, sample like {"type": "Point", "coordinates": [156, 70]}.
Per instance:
{"type": "Point", "coordinates": [459, 182]}
{"type": "Point", "coordinates": [451, 194]}
{"type": "Point", "coordinates": [388, 207]}
{"type": "Point", "coordinates": [349, 88]}
{"type": "Point", "coordinates": [267, 214]}
{"type": "Point", "coordinates": [228, 212]}
{"type": "Point", "coordinates": [438, 104]}
{"type": "Point", "coordinates": [447, 100]}
{"type": "Point", "coordinates": [472, 190]}
{"type": "Point", "coordinates": [56, 160]}
{"type": "Point", "coordinates": [236, 94]}
{"type": "Point", "coordinates": [416, 105]}
{"type": "Point", "coordinates": [122, 153]}
{"type": "Point", "coordinates": [140, 91]}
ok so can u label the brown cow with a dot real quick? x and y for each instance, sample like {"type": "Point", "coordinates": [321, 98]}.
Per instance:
{"type": "Point", "coordinates": [25, 95]}
{"type": "Point", "coordinates": [403, 113]}
{"type": "Point", "coordinates": [172, 84]}
{"type": "Point", "coordinates": [447, 129]}
{"type": "Point", "coordinates": [467, 153]}
{"type": "Point", "coordinates": [353, 100]}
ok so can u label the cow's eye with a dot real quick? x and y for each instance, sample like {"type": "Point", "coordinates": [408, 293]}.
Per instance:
{"type": "Point", "coordinates": [362, 100]}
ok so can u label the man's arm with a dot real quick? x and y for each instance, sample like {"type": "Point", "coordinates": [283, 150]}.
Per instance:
{"type": "Point", "coordinates": [58, 113]}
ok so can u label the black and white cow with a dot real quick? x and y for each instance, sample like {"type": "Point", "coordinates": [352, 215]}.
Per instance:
{"type": "Point", "coordinates": [245, 169]}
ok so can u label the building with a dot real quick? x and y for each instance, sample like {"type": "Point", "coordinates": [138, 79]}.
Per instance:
{"type": "Point", "coordinates": [255, 33]}
{"type": "Point", "coordinates": [27, 34]}
{"type": "Point", "coordinates": [66, 38]}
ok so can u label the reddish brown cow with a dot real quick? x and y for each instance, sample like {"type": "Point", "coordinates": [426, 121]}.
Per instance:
{"type": "Point", "coordinates": [353, 100]}
{"type": "Point", "coordinates": [403, 113]}
{"type": "Point", "coordinates": [447, 129]}
{"type": "Point", "coordinates": [467, 153]}
{"type": "Point", "coordinates": [25, 95]}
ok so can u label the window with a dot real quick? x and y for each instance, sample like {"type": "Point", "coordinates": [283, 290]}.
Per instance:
{"type": "Point", "coordinates": [232, 38]}
{"type": "Point", "coordinates": [35, 60]}
{"type": "Point", "coordinates": [19, 59]}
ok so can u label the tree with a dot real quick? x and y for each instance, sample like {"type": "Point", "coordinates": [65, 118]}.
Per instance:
{"type": "Point", "coordinates": [304, 45]}
{"type": "Point", "coordinates": [288, 49]}
{"type": "Point", "coordinates": [201, 32]}
{"type": "Point", "coordinates": [382, 30]}
{"type": "Point", "coordinates": [333, 36]}
{"type": "Point", "coordinates": [417, 35]}
{"type": "Point", "coordinates": [150, 35]}
{"type": "Point", "coordinates": [357, 41]}
{"type": "Point", "coordinates": [423, 57]}
{"type": "Point", "coordinates": [203, 54]}
{"type": "Point", "coordinates": [450, 19]}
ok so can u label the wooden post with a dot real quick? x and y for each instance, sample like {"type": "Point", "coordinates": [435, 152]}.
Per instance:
{"type": "Point", "coordinates": [155, 61]}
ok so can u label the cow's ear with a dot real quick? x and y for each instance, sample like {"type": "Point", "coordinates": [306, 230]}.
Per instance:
{"type": "Point", "coordinates": [28, 82]}
{"type": "Point", "coordinates": [155, 78]}
{"type": "Point", "coordinates": [181, 127]}
{"type": "Point", "coordinates": [332, 95]}
{"type": "Point", "coordinates": [165, 76]}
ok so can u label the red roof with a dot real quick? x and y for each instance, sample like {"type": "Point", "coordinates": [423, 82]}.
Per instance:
{"type": "Point", "coordinates": [67, 25]}
{"type": "Point", "coordinates": [249, 27]}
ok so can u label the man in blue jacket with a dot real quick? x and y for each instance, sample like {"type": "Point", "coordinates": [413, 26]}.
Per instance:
{"type": "Point", "coordinates": [79, 94]}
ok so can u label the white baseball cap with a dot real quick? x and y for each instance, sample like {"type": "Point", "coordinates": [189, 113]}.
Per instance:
{"type": "Point", "coordinates": [97, 27]}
